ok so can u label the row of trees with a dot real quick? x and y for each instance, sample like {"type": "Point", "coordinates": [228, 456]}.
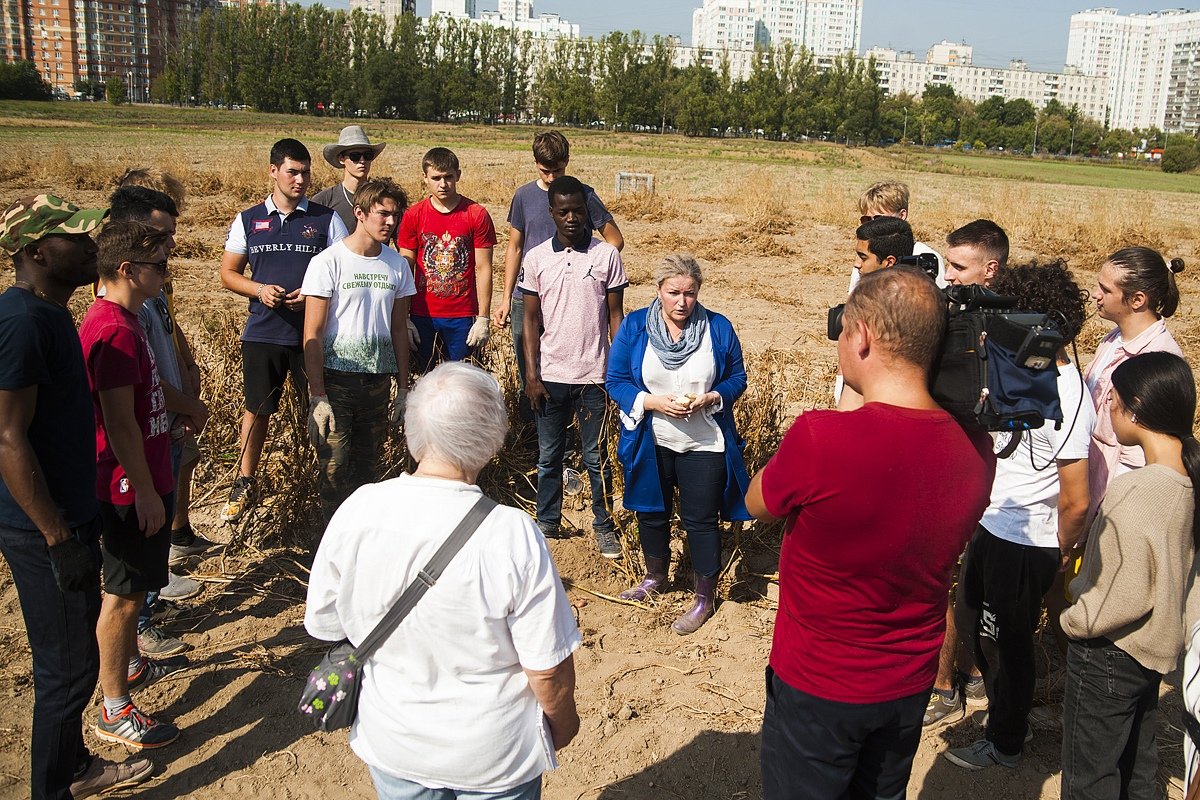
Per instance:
{"type": "Point", "coordinates": [316, 59]}
{"type": "Point", "coordinates": [19, 80]}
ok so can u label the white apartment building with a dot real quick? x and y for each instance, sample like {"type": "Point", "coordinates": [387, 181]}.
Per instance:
{"type": "Point", "coordinates": [391, 9]}
{"type": "Point", "coordinates": [901, 73]}
{"type": "Point", "coordinates": [453, 8]}
{"type": "Point", "coordinates": [543, 26]}
{"type": "Point", "coordinates": [955, 54]}
{"type": "Point", "coordinates": [516, 10]}
{"type": "Point", "coordinates": [733, 29]}
{"type": "Point", "coordinates": [1149, 60]}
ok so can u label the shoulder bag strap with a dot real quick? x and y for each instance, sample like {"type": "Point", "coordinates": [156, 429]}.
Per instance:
{"type": "Point", "coordinates": [426, 578]}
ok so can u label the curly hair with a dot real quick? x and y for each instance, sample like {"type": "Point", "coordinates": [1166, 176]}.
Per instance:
{"type": "Point", "coordinates": [1047, 288]}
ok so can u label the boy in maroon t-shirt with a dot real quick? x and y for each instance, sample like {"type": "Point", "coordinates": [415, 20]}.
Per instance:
{"type": "Point", "coordinates": [449, 238]}
{"type": "Point", "coordinates": [134, 480]}
{"type": "Point", "coordinates": [871, 539]}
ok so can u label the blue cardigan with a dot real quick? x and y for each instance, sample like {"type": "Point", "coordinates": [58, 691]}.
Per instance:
{"type": "Point", "coordinates": [636, 447]}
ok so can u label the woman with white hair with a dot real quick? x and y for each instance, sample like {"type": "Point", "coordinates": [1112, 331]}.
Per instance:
{"type": "Point", "coordinates": [675, 370]}
{"type": "Point", "coordinates": [474, 691]}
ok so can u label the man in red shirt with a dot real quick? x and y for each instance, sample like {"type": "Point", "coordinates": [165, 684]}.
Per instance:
{"type": "Point", "coordinates": [449, 238]}
{"type": "Point", "coordinates": [867, 552]}
{"type": "Point", "coordinates": [134, 480]}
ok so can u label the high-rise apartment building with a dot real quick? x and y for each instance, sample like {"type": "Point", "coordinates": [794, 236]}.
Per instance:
{"type": "Point", "coordinates": [1148, 60]}
{"type": "Point", "coordinates": [94, 40]}
{"type": "Point", "coordinates": [387, 8]}
{"type": "Point", "coordinates": [734, 29]}
{"type": "Point", "coordinates": [516, 10]}
{"type": "Point", "coordinates": [453, 8]}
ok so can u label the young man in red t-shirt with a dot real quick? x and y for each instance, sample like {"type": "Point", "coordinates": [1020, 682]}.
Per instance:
{"type": "Point", "coordinates": [871, 539]}
{"type": "Point", "coordinates": [134, 480]}
{"type": "Point", "coordinates": [450, 239]}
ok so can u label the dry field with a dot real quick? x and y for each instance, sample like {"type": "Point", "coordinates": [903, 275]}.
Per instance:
{"type": "Point", "coordinates": [663, 716]}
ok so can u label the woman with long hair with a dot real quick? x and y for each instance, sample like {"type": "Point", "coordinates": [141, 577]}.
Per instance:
{"type": "Point", "coordinates": [1126, 626]}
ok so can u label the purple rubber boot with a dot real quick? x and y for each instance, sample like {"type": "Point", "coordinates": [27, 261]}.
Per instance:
{"type": "Point", "coordinates": [656, 575]}
{"type": "Point", "coordinates": [702, 608]}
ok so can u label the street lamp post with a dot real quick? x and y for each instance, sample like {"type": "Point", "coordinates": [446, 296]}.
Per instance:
{"type": "Point", "coordinates": [904, 135]}
{"type": "Point", "coordinates": [1036, 122]}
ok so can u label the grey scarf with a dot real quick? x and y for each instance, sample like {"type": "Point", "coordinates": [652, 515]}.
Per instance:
{"type": "Point", "coordinates": [674, 355]}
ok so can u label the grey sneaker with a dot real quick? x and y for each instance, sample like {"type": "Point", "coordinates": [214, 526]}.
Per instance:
{"type": "Point", "coordinates": [155, 670]}
{"type": "Point", "coordinates": [608, 544]}
{"type": "Point", "coordinates": [980, 755]}
{"type": "Point", "coordinates": [975, 692]}
{"type": "Point", "coordinates": [103, 776]}
{"type": "Point", "coordinates": [134, 729]}
{"type": "Point", "coordinates": [199, 546]}
{"type": "Point", "coordinates": [180, 588]}
{"type": "Point", "coordinates": [154, 643]}
{"type": "Point", "coordinates": [941, 711]}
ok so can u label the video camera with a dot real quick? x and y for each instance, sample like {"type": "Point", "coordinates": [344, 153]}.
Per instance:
{"type": "Point", "coordinates": [994, 366]}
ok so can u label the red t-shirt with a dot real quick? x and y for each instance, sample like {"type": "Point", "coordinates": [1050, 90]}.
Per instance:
{"type": "Point", "coordinates": [117, 354]}
{"type": "Point", "coordinates": [445, 246]}
{"type": "Point", "coordinates": [880, 503]}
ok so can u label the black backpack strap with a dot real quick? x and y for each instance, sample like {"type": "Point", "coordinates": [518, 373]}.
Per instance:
{"type": "Point", "coordinates": [426, 578]}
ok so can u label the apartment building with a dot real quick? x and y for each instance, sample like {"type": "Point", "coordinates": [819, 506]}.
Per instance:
{"type": "Point", "coordinates": [1148, 60]}
{"type": "Point", "coordinates": [73, 40]}
{"type": "Point", "coordinates": [900, 72]}
{"type": "Point", "coordinates": [387, 8]}
{"type": "Point", "coordinates": [733, 29]}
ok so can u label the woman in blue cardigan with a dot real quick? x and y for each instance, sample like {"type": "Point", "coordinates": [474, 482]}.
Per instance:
{"type": "Point", "coordinates": [675, 370]}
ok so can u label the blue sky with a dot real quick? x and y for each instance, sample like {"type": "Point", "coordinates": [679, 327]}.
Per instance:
{"type": "Point", "coordinates": [999, 30]}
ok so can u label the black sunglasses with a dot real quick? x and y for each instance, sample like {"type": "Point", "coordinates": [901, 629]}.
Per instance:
{"type": "Point", "coordinates": [159, 266]}
{"type": "Point", "coordinates": [360, 155]}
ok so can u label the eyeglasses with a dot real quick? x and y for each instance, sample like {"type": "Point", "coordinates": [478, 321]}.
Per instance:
{"type": "Point", "coordinates": [865, 218]}
{"type": "Point", "coordinates": [159, 266]}
{"type": "Point", "coordinates": [360, 155]}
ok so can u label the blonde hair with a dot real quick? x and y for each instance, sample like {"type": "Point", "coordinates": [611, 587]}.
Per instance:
{"type": "Point", "coordinates": [157, 179]}
{"type": "Point", "coordinates": [679, 265]}
{"type": "Point", "coordinates": [889, 196]}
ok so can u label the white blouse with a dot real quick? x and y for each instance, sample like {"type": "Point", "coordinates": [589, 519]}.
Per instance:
{"type": "Point", "coordinates": [698, 431]}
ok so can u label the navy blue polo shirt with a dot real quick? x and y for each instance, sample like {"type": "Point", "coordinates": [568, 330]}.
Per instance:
{"type": "Point", "coordinates": [279, 248]}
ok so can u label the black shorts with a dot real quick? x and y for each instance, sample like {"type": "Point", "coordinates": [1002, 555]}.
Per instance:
{"type": "Point", "coordinates": [265, 366]}
{"type": "Point", "coordinates": [133, 562]}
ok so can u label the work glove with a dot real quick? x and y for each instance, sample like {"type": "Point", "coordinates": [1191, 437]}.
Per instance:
{"type": "Point", "coordinates": [74, 566]}
{"type": "Point", "coordinates": [480, 332]}
{"type": "Point", "coordinates": [414, 338]}
{"type": "Point", "coordinates": [399, 403]}
{"type": "Point", "coordinates": [320, 419]}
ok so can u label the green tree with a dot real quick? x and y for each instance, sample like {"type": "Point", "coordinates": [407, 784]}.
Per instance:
{"type": "Point", "coordinates": [1180, 155]}
{"type": "Point", "coordinates": [20, 81]}
{"type": "Point", "coordinates": [115, 91]}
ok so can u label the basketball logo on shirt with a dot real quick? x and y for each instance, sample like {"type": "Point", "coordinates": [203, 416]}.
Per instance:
{"type": "Point", "coordinates": [446, 262]}
{"type": "Point", "coordinates": [123, 486]}
{"type": "Point", "coordinates": [589, 274]}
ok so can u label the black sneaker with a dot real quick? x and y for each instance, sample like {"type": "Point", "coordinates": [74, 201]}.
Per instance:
{"type": "Point", "coordinates": [154, 670]}
{"type": "Point", "coordinates": [606, 540]}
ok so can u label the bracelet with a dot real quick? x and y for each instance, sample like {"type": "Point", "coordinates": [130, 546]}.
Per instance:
{"type": "Point", "coordinates": [258, 294]}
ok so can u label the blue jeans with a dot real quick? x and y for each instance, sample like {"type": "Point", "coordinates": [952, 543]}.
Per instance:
{"type": "Point", "coordinates": [61, 627]}
{"type": "Point", "coordinates": [588, 403]}
{"type": "Point", "coordinates": [700, 477]}
{"type": "Point", "coordinates": [1110, 716]}
{"type": "Point", "coordinates": [391, 788]}
{"type": "Point", "coordinates": [449, 343]}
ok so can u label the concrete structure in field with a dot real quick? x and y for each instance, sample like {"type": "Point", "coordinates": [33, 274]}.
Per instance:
{"type": "Point", "coordinates": [902, 73]}
{"type": "Point", "coordinates": [733, 29]}
{"type": "Point", "coordinates": [1151, 63]}
{"type": "Point", "coordinates": [391, 9]}
{"type": "Point", "coordinates": [93, 40]}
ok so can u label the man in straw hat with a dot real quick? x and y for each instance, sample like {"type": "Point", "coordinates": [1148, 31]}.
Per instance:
{"type": "Point", "coordinates": [49, 514]}
{"type": "Point", "coordinates": [353, 155]}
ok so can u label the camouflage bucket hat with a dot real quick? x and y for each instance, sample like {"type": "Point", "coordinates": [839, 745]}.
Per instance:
{"type": "Point", "coordinates": [31, 218]}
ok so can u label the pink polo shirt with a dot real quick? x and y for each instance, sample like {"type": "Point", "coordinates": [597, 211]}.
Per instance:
{"type": "Point", "coordinates": [1108, 458]}
{"type": "Point", "coordinates": [573, 286]}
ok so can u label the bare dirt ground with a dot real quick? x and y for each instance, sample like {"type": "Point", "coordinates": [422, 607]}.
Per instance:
{"type": "Point", "coordinates": [663, 716]}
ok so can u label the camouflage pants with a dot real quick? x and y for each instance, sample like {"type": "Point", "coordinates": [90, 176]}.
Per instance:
{"type": "Point", "coordinates": [350, 455]}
